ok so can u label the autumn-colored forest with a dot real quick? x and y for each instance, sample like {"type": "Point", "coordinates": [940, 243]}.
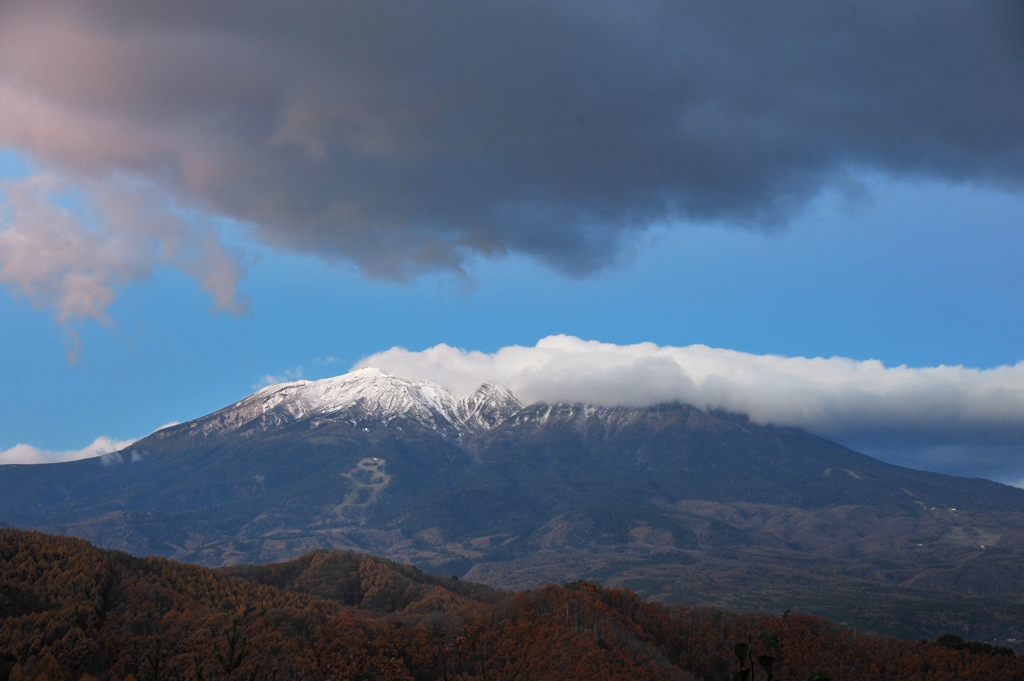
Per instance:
{"type": "Point", "coordinates": [69, 611]}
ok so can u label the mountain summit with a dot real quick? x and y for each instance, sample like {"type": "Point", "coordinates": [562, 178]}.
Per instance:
{"type": "Point", "coordinates": [679, 503]}
{"type": "Point", "coordinates": [364, 393]}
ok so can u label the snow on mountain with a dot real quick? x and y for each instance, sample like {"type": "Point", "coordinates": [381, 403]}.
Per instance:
{"type": "Point", "coordinates": [488, 406]}
{"type": "Point", "coordinates": [367, 392]}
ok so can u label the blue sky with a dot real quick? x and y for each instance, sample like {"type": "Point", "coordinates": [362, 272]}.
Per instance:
{"type": "Point", "coordinates": [194, 203]}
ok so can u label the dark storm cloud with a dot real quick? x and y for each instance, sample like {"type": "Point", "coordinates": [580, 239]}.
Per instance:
{"type": "Point", "coordinates": [407, 136]}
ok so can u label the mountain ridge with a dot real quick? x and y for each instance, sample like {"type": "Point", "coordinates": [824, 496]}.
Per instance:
{"type": "Point", "coordinates": [365, 392]}
{"type": "Point", "coordinates": [658, 499]}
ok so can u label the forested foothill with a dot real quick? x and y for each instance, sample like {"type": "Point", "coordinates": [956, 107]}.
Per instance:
{"type": "Point", "coordinates": [72, 612]}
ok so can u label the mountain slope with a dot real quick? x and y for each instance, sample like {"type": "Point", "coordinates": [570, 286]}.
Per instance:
{"type": "Point", "coordinates": [681, 504]}
{"type": "Point", "coordinates": [364, 393]}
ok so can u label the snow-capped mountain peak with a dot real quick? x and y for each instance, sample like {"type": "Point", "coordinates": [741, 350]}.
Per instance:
{"type": "Point", "coordinates": [368, 392]}
{"type": "Point", "coordinates": [487, 406]}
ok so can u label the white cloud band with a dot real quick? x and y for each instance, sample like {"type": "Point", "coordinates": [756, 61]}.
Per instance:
{"type": "Point", "coordinates": [835, 397]}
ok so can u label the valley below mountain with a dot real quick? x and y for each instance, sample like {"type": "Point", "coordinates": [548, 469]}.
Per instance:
{"type": "Point", "coordinates": [682, 505]}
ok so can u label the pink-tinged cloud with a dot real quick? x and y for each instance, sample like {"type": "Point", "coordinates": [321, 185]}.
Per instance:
{"type": "Point", "coordinates": [410, 136]}
{"type": "Point", "coordinates": [73, 261]}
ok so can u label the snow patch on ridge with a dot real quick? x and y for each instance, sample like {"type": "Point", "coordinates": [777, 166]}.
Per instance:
{"type": "Point", "coordinates": [372, 393]}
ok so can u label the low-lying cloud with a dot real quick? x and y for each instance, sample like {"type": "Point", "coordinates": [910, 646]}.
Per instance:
{"type": "Point", "coordinates": [950, 418]}
{"type": "Point", "coordinates": [27, 454]}
{"type": "Point", "coordinates": [411, 136]}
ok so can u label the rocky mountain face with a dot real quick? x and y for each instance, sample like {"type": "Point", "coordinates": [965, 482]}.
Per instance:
{"type": "Point", "coordinates": [362, 394]}
{"type": "Point", "coordinates": [679, 504]}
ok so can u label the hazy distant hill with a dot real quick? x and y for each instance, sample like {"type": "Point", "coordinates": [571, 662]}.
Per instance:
{"type": "Point", "coordinates": [679, 504]}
